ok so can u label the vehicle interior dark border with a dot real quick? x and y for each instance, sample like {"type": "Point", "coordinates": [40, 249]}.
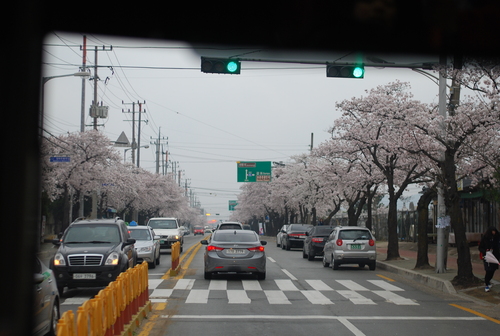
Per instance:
{"type": "Point", "coordinates": [435, 27]}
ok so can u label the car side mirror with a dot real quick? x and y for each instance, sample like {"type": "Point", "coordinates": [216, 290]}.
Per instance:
{"type": "Point", "coordinates": [263, 242]}
{"type": "Point", "coordinates": [38, 278]}
{"type": "Point", "coordinates": [204, 242]}
{"type": "Point", "coordinates": [156, 237]}
{"type": "Point", "coordinates": [129, 241]}
{"type": "Point", "coordinates": [56, 242]}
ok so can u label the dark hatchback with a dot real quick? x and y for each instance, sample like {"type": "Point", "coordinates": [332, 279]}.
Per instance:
{"type": "Point", "coordinates": [315, 241]}
{"type": "Point", "coordinates": [92, 253]}
{"type": "Point", "coordinates": [294, 236]}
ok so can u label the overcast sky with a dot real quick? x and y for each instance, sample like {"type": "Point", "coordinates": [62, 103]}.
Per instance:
{"type": "Point", "coordinates": [267, 113]}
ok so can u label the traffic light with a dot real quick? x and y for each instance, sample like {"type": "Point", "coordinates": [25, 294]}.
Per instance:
{"type": "Point", "coordinates": [345, 71]}
{"type": "Point", "coordinates": [220, 65]}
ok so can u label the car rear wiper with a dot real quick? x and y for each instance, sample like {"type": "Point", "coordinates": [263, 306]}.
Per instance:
{"type": "Point", "coordinates": [360, 237]}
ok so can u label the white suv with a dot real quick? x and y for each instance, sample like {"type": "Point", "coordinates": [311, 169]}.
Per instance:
{"type": "Point", "coordinates": [169, 231]}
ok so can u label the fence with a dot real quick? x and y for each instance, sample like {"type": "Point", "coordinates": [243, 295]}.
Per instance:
{"type": "Point", "coordinates": [116, 310]}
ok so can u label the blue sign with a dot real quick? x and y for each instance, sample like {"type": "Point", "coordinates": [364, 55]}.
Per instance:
{"type": "Point", "coordinates": [59, 159]}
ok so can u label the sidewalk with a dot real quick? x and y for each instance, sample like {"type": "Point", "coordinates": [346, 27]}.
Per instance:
{"type": "Point", "coordinates": [429, 277]}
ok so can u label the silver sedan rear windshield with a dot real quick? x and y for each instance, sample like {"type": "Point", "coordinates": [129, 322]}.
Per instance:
{"type": "Point", "coordinates": [234, 236]}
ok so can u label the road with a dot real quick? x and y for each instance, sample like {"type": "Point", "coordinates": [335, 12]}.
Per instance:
{"type": "Point", "coordinates": [298, 297]}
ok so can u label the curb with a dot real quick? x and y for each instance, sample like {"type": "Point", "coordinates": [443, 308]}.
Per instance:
{"type": "Point", "coordinates": [430, 281]}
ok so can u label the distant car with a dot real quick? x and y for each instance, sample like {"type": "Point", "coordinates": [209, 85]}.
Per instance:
{"type": "Point", "coordinates": [246, 226]}
{"type": "Point", "coordinates": [46, 301]}
{"type": "Point", "coordinates": [234, 251]}
{"type": "Point", "coordinates": [92, 253]}
{"type": "Point", "coordinates": [279, 236]}
{"type": "Point", "coordinates": [230, 226]}
{"type": "Point", "coordinates": [198, 230]}
{"type": "Point", "coordinates": [185, 230]}
{"type": "Point", "coordinates": [315, 241]}
{"type": "Point", "coordinates": [350, 245]}
{"type": "Point", "coordinates": [208, 231]}
{"type": "Point", "coordinates": [294, 236]}
{"type": "Point", "coordinates": [147, 244]}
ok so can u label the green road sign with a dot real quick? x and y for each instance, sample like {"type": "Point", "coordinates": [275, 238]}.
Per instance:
{"type": "Point", "coordinates": [232, 205]}
{"type": "Point", "coordinates": [259, 171]}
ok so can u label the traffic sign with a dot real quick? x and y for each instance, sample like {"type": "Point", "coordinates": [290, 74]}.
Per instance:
{"type": "Point", "coordinates": [60, 159]}
{"type": "Point", "coordinates": [232, 205]}
{"type": "Point", "coordinates": [256, 171]}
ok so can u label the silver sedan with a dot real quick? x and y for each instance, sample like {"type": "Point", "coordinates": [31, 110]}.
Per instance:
{"type": "Point", "coordinates": [147, 244]}
{"type": "Point", "coordinates": [235, 251]}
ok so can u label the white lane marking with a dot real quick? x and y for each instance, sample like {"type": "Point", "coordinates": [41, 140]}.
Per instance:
{"type": "Point", "coordinates": [161, 293]}
{"type": "Point", "coordinates": [351, 285]}
{"type": "Point", "coordinates": [158, 300]}
{"type": "Point", "coordinates": [75, 301]}
{"type": "Point", "coordinates": [355, 297]}
{"type": "Point", "coordinates": [385, 285]}
{"type": "Point", "coordinates": [286, 285]}
{"type": "Point", "coordinates": [153, 283]}
{"type": "Point", "coordinates": [319, 285]}
{"type": "Point", "coordinates": [316, 297]}
{"type": "Point", "coordinates": [325, 317]}
{"type": "Point", "coordinates": [237, 296]}
{"type": "Point", "coordinates": [198, 296]}
{"type": "Point", "coordinates": [395, 298]}
{"type": "Point", "coordinates": [276, 297]}
{"type": "Point", "coordinates": [290, 275]}
{"type": "Point", "coordinates": [251, 285]}
{"type": "Point", "coordinates": [351, 327]}
{"type": "Point", "coordinates": [271, 259]}
{"type": "Point", "coordinates": [184, 284]}
{"type": "Point", "coordinates": [218, 285]}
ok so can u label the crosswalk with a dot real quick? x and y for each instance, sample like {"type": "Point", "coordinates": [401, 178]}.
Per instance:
{"type": "Point", "coordinates": [277, 292]}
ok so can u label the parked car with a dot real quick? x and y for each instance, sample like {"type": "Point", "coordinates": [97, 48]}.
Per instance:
{"type": "Point", "coordinates": [294, 236]}
{"type": "Point", "coordinates": [198, 230]}
{"type": "Point", "coordinates": [46, 307]}
{"type": "Point", "coordinates": [92, 253]}
{"type": "Point", "coordinates": [239, 251]}
{"type": "Point", "coordinates": [169, 231]}
{"type": "Point", "coordinates": [350, 245]}
{"type": "Point", "coordinates": [315, 241]}
{"type": "Point", "coordinates": [279, 236]}
{"type": "Point", "coordinates": [230, 226]}
{"type": "Point", "coordinates": [147, 244]}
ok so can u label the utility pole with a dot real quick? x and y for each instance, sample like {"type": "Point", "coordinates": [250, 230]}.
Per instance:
{"type": "Point", "coordinates": [159, 141]}
{"type": "Point", "coordinates": [96, 111]}
{"type": "Point", "coordinates": [443, 230]}
{"type": "Point", "coordinates": [135, 144]}
{"type": "Point", "coordinates": [81, 209]}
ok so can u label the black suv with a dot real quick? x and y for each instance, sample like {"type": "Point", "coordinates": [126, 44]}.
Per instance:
{"type": "Point", "coordinates": [92, 253]}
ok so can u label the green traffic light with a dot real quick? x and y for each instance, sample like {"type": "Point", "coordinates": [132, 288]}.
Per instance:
{"type": "Point", "coordinates": [232, 66]}
{"type": "Point", "coordinates": [358, 72]}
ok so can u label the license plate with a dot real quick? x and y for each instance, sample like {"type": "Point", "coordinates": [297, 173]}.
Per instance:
{"type": "Point", "coordinates": [355, 246]}
{"type": "Point", "coordinates": [235, 251]}
{"type": "Point", "coordinates": [84, 276]}
{"type": "Point", "coordinates": [162, 242]}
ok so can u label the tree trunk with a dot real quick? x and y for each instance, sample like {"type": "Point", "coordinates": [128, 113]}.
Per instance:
{"type": "Point", "coordinates": [423, 215]}
{"type": "Point", "coordinates": [465, 277]}
{"type": "Point", "coordinates": [392, 229]}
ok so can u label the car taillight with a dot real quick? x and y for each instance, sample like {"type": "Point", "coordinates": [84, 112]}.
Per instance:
{"type": "Point", "coordinates": [296, 234]}
{"type": "Point", "coordinates": [256, 249]}
{"type": "Point", "coordinates": [339, 242]}
{"type": "Point", "coordinates": [214, 248]}
{"type": "Point", "coordinates": [371, 242]}
{"type": "Point", "coordinates": [317, 240]}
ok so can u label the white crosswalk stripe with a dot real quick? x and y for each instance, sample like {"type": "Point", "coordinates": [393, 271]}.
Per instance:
{"type": "Point", "coordinates": [319, 293]}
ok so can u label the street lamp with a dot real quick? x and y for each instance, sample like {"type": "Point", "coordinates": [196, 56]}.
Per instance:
{"type": "Point", "coordinates": [127, 149]}
{"type": "Point", "coordinates": [81, 74]}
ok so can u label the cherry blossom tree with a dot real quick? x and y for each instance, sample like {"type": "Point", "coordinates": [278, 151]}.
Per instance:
{"type": "Point", "coordinates": [371, 125]}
